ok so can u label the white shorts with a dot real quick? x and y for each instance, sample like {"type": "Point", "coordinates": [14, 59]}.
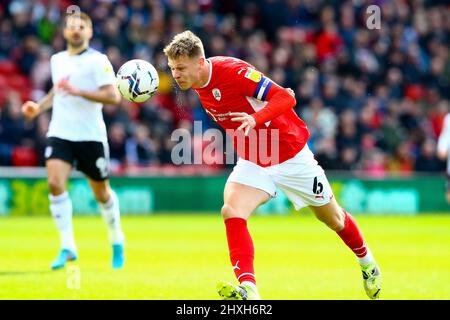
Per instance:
{"type": "Point", "coordinates": [301, 179]}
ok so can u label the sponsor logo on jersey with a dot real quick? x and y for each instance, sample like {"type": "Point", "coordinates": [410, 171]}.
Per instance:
{"type": "Point", "coordinates": [253, 75]}
{"type": "Point", "coordinates": [216, 94]}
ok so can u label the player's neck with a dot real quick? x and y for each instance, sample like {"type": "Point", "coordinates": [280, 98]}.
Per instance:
{"type": "Point", "coordinates": [73, 51]}
{"type": "Point", "coordinates": [204, 75]}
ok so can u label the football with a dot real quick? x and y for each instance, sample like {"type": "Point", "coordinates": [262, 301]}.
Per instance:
{"type": "Point", "coordinates": [137, 80]}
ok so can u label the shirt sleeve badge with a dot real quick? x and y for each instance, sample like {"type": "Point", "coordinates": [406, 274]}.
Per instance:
{"type": "Point", "coordinates": [253, 75]}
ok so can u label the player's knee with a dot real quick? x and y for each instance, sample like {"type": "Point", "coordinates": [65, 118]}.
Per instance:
{"type": "Point", "coordinates": [334, 225]}
{"type": "Point", "coordinates": [227, 211]}
{"type": "Point", "coordinates": [334, 220]}
{"type": "Point", "coordinates": [55, 186]}
{"type": "Point", "coordinates": [339, 220]}
{"type": "Point", "coordinates": [102, 195]}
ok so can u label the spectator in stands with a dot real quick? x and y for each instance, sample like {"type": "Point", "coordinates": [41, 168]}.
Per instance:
{"type": "Point", "coordinates": [117, 139]}
{"type": "Point", "coordinates": [427, 160]}
{"type": "Point", "coordinates": [141, 150]}
{"type": "Point", "coordinates": [394, 80]}
{"type": "Point", "coordinates": [320, 120]}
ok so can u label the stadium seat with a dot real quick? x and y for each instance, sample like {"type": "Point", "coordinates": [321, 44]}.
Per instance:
{"type": "Point", "coordinates": [7, 67]}
{"type": "Point", "coordinates": [415, 92]}
{"type": "Point", "coordinates": [2, 98]}
{"type": "Point", "coordinates": [24, 157]}
{"type": "Point", "coordinates": [4, 89]}
{"type": "Point", "coordinates": [18, 82]}
{"type": "Point", "coordinates": [3, 81]}
{"type": "Point", "coordinates": [25, 94]}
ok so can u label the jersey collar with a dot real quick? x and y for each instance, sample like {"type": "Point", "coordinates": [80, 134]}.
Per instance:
{"type": "Point", "coordinates": [210, 74]}
{"type": "Point", "coordinates": [79, 53]}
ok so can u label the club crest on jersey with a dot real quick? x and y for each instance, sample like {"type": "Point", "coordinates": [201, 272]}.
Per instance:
{"type": "Point", "coordinates": [253, 75]}
{"type": "Point", "coordinates": [216, 94]}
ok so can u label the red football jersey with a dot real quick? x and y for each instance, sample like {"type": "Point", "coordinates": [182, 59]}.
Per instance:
{"type": "Point", "coordinates": [236, 86]}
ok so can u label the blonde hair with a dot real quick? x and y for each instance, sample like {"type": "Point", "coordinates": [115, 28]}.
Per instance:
{"type": "Point", "coordinates": [185, 44]}
{"type": "Point", "coordinates": [81, 15]}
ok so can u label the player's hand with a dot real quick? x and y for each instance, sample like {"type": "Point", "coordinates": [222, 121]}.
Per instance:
{"type": "Point", "coordinates": [67, 88]}
{"type": "Point", "coordinates": [291, 92]}
{"type": "Point", "coordinates": [30, 109]}
{"type": "Point", "coordinates": [248, 122]}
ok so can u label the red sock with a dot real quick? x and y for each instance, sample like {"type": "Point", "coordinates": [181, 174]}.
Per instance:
{"type": "Point", "coordinates": [242, 252]}
{"type": "Point", "coordinates": [352, 236]}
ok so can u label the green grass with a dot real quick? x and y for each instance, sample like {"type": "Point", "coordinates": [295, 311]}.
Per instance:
{"type": "Point", "coordinates": [183, 256]}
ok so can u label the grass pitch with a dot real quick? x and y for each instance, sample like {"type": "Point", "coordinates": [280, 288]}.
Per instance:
{"type": "Point", "coordinates": [183, 256]}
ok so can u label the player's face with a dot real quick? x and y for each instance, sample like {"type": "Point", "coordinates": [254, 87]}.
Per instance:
{"type": "Point", "coordinates": [76, 32]}
{"type": "Point", "coordinates": [186, 71]}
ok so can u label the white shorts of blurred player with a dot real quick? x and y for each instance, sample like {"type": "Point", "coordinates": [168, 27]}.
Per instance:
{"type": "Point", "coordinates": [301, 179]}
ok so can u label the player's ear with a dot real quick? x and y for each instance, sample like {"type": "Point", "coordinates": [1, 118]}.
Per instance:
{"type": "Point", "coordinates": [201, 61]}
{"type": "Point", "coordinates": [65, 32]}
{"type": "Point", "coordinates": [90, 33]}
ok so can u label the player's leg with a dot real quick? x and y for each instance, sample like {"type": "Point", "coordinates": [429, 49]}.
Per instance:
{"type": "Point", "coordinates": [58, 162]}
{"type": "Point", "coordinates": [345, 226]}
{"type": "Point", "coordinates": [347, 229]}
{"type": "Point", "coordinates": [305, 184]}
{"type": "Point", "coordinates": [239, 203]}
{"type": "Point", "coordinates": [93, 158]}
{"type": "Point", "coordinates": [109, 208]}
{"type": "Point", "coordinates": [248, 187]}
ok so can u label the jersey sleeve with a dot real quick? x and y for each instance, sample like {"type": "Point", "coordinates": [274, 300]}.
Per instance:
{"type": "Point", "coordinates": [104, 72]}
{"type": "Point", "coordinates": [253, 83]}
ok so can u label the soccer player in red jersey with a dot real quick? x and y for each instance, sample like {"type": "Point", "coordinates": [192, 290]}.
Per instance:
{"type": "Point", "coordinates": [257, 112]}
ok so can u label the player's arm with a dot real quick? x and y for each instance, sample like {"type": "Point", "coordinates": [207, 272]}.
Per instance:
{"type": "Point", "coordinates": [279, 100]}
{"type": "Point", "coordinates": [444, 140]}
{"type": "Point", "coordinates": [106, 94]}
{"type": "Point", "coordinates": [31, 109]}
{"type": "Point", "coordinates": [103, 74]}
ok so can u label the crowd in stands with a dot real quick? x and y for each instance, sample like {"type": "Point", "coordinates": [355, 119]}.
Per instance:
{"type": "Point", "coordinates": [373, 99]}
